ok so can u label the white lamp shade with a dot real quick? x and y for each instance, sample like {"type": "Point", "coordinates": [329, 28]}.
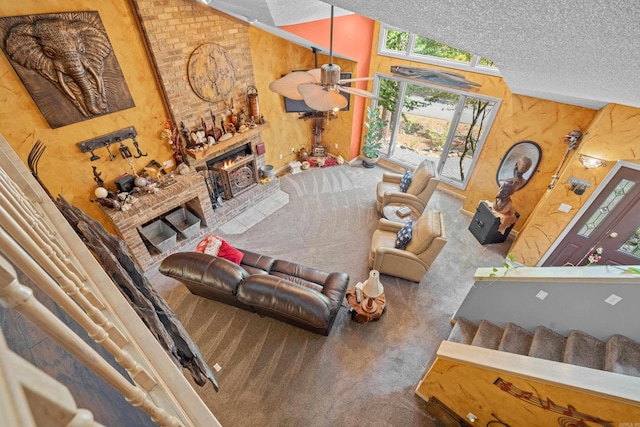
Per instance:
{"type": "Point", "coordinates": [372, 287]}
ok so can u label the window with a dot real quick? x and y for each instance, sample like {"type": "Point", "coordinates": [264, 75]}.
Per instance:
{"type": "Point", "coordinates": [402, 44]}
{"type": "Point", "coordinates": [444, 125]}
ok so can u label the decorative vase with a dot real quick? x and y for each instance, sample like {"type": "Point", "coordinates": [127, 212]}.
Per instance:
{"type": "Point", "coordinates": [140, 182]}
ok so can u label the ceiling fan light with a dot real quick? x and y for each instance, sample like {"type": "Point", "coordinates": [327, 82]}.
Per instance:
{"type": "Point", "coordinates": [330, 74]}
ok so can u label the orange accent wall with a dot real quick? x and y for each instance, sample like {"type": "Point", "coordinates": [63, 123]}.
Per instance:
{"type": "Point", "coordinates": [352, 37]}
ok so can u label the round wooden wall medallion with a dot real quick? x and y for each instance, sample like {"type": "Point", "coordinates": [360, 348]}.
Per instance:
{"type": "Point", "coordinates": [211, 72]}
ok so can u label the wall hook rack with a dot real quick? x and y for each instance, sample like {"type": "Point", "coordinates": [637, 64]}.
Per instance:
{"type": "Point", "coordinates": [111, 155]}
{"type": "Point", "coordinates": [90, 145]}
{"type": "Point", "coordinates": [140, 153]}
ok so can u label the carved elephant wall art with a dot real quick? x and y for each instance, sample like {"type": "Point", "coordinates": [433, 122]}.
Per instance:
{"type": "Point", "coordinates": [70, 50]}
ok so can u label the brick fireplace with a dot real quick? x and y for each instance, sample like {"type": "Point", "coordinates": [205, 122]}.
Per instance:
{"type": "Point", "coordinates": [235, 189]}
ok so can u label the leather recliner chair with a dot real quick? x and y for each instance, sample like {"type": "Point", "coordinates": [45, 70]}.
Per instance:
{"type": "Point", "coordinates": [413, 262]}
{"type": "Point", "coordinates": [424, 181]}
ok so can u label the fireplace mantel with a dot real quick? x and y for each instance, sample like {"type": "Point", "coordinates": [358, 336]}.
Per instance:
{"type": "Point", "coordinates": [220, 147]}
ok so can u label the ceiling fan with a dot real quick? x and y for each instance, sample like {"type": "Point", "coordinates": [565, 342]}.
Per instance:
{"type": "Point", "coordinates": [320, 87]}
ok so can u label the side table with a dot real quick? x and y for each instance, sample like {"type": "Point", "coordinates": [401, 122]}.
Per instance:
{"type": "Point", "coordinates": [390, 213]}
{"type": "Point", "coordinates": [358, 313]}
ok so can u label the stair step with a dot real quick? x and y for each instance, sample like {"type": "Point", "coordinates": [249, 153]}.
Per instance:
{"type": "Point", "coordinates": [619, 354]}
{"type": "Point", "coordinates": [515, 339]}
{"type": "Point", "coordinates": [584, 350]}
{"type": "Point", "coordinates": [622, 356]}
{"type": "Point", "coordinates": [463, 331]}
{"type": "Point", "coordinates": [547, 344]}
{"type": "Point", "coordinates": [488, 335]}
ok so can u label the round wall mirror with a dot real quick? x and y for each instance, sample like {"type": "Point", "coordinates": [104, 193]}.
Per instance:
{"type": "Point", "coordinates": [520, 149]}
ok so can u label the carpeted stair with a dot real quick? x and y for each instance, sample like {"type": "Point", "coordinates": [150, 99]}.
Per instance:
{"type": "Point", "coordinates": [619, 354]}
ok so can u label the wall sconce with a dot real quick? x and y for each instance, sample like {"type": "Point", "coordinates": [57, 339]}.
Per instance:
{"type": "Point", "coordinates": [591, 162]}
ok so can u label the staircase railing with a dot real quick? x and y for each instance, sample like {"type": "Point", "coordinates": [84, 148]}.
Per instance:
{"type": "Point", "coordinates": [38, 241]}
{"type": "Point", "coordinates": [16, 296]}
{"type": "Point", "coordinates": [28, 396]}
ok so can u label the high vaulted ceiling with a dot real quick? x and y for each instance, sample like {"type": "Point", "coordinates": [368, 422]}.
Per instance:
{"type": "Point", "coordinates": [583, 53]}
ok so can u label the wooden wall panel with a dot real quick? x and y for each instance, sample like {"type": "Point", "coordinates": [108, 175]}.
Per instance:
{"type": "Point", "coordinates": [612, 136]}
{"type": "Point", "coordinates": [465, 388]}
{"type": "Point", "coordinates": [63, 168]}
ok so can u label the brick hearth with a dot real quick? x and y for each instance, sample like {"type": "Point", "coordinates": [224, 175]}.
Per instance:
{"type": "Point", "coordinates": [188, 191]}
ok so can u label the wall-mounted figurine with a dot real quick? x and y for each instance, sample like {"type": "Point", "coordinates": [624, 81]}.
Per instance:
{"type": "Point", "coordinates": [66, 62]}
{"type": "Point", "coordinates": [97, 178]}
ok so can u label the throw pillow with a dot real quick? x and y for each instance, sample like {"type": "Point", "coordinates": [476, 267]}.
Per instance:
{"type": "Point", "coordinates": [404, 235]}
{"type": "Point", "coordinates": [229, 252]}
{"type": "Point", "coordinates": [216, 246]}
{"type": "Point", "coordinates": [210, 245]}
{"type": "Point", "coordinates": [405, 182]}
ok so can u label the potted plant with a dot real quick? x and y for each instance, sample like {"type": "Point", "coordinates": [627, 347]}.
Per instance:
{"type": "Point", "coordinates": [371, 146]}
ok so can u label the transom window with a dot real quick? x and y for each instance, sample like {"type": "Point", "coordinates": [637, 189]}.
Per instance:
{"type": "Point", "coordinates": [402, 44]}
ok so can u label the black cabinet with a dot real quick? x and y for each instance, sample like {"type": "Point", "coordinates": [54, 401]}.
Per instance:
{"type": "Point", "coordinates": [484, 225]}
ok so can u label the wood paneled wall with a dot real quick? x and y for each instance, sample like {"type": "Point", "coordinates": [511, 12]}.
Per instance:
{"type": "Point", "coordinates": [611, 136]}
{"type": "Point", "coordinates": [63, 168]}
{"type": "Point", "coordinates": [469, 389]}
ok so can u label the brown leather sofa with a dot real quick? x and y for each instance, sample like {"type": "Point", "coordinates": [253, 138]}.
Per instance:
{"type": "Point", "coordinates": [301, 296]}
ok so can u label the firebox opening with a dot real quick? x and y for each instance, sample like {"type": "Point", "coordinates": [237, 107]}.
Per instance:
{"type": "Point", "coordinates": [233, 172]}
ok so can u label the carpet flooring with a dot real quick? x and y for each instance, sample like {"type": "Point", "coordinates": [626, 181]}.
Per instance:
{"type": "Point", "coordinates": [273, 374]}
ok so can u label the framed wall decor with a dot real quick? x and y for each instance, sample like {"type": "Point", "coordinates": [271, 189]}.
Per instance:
{"type": "Point", "coordinates": [66, 63]}
{"type": "Point", "coordinates": [211, 72]}
{"type": "Point", "coordinates": [319, 151]}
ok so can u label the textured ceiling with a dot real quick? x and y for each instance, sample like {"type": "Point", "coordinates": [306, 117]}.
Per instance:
{"type": "Point", "coordinates": [582, 53]}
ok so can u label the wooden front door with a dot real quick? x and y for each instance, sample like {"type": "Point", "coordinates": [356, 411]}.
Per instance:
{"type": "Point", "coordinates": [611, 225]}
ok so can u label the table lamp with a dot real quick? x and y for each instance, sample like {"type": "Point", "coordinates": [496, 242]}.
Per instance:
{"type": "Point", "coordinates": [372, 289]}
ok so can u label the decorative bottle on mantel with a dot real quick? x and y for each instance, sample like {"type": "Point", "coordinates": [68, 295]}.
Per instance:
{"type": "Point", "coordinates": [233, 119]}
{"type": "Point", "coordinates": [254, 105]}
{"type": "Point", "coordinates": [177, 157]}
{"type": "Point", "coordinates": [175, 144]}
